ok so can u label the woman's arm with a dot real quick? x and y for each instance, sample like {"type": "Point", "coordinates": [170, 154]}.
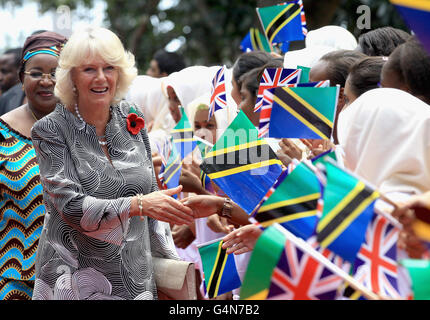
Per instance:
{"type": "Point", "coordinates": [104, 219]}
{"type": "Point", "coordinates": [206, 205]}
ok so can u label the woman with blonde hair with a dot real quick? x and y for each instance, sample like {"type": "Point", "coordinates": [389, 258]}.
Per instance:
{"type": "Point", "coordinates": [104, 214]}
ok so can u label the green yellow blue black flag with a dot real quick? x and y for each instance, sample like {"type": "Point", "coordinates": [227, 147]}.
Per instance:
{"type": "Point", "coordinates": [171, 171]}
{"type": "Point", "coordinates": [241, 164]}
{"type": "Point", "coordinates": [347, 211]}
{"type": "Point", "coordinates": [283, 22]}
{"type": "Point", "coordinates": [219, 268]}
{"type": "Point", "coordinates": [293, 203]}
{"type": "Point", "coordinates": [254, 41]}
{"type": "Point", "coordinates": [303, 112]}
{"type": "Point", "coordinates": [182, 135]}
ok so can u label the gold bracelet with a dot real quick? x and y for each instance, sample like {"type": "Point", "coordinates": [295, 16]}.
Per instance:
{"type": "Point", "coordinates": [140, 205]}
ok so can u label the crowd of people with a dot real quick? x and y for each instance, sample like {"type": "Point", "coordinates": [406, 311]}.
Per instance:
{"type": "Point", "coordinates": [82, 209]}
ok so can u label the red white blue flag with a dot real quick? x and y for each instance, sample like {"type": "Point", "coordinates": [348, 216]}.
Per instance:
{"type": "Point", "coordinates": [376, 263]}
{"type": "Point", "coordinates": [299, 276]}
{"type": "Point", "coordinates": [218, 96]}
{"type": "Point", "coordinates": [272, 78]}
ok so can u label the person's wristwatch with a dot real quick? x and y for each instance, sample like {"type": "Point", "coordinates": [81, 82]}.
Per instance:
{"type": "Point", "coordinates": [226, 208]}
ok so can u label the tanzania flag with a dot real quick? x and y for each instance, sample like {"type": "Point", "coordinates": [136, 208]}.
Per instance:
{"type": "Point", "coordinates": [241, 164]}
{"type": "Point", "coordinates": [347, 211]}
{"type": "Point", "coordinates": [220, 272]}
{"type": "Point", "coordinates": [416, 14]}
{"type": "Point", "coordinates": [419, 271]}
{"type": "Point", "coordinates": [182, 135]}
{"type": "Point", "coordinates": [293, 204]}
{"type": "Point", "coordinates": [254, 41]}
{"type": "Point", "coordinates": [171, 171]}
{"type": "Point", "coordinates": [303, 112]}
{"type": "Point", "coordinates": [282, 22]}
{"type": "Point", "coordinates": [263, 261]}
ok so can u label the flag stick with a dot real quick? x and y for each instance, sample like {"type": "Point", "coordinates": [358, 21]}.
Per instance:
{"type": "Point", "coordinates": [327, 263]}
{"type": "Point", "coordinates": [203, 141]}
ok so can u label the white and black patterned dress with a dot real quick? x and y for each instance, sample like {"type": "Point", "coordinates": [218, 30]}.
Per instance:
{"type": "Point", "coordinates": [90, 248]}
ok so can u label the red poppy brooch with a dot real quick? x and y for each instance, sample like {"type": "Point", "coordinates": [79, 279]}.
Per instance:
{"type": "Point", "coordinates": [134, 122]}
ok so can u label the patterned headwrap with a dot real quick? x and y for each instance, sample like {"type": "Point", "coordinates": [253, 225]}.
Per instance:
{"type": "Point", "coordinates": [46, 42]}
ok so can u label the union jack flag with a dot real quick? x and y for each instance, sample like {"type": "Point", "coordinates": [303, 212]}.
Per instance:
{"type": "Point", "coordinates": [265, 113]}
{"type": "Point", "coordinates": [267, 101]}
{"type": "Point", "coordinates": [272, 78]}
{"type": "Point", "coordinates": [218, 96]}
{"type": "Point", "coordinates": [376, 263]}
{"type": "Point", "coordinates": [299, 276]}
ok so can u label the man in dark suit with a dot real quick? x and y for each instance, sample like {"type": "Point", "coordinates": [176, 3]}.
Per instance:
{"type": "Point", "coordinates": [12, 94]}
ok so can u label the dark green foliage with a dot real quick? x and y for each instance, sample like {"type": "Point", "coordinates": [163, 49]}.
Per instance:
{"type": "Point", "coordinates": [213, 29]}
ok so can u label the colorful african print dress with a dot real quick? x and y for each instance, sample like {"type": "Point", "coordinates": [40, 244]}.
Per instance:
{"type": "Point", "coordinates": [21, 214]}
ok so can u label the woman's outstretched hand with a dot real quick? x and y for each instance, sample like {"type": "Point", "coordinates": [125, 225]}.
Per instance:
{"type": "Point", "coordinates": [203, 205]}
{"type": "Point", "coordinates": [241, 240]}
{"type": "Point", "coordinates": [161, 206]}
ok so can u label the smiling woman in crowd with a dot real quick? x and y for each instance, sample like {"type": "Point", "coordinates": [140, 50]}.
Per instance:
{"type": "Point", "coordinates": [21, 205]}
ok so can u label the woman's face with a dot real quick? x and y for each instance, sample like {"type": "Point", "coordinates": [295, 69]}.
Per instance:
{"type": "Point", "coordinates": [95, 82]}
{"type": "Point", "coordinates": [235, 92]}
{"type": "Point", "coordinates": [348, 93]}
{"type": "Point", "coordinates": [203, 128]}
{"type": "Point", "coordinates": [39, 89]}
{"type": "Point", "coordinates": [247, 105]}
{"type": "Point", "coordinates": [174, 104]}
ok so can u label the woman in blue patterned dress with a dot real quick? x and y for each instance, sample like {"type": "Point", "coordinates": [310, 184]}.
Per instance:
{"type": "Point", "coordinates": [21, 197]}
{"type": "Point", "coordinates": [105, 218]}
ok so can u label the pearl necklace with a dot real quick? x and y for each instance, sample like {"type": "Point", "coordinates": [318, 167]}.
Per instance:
{"type": "Point", "coordinates": [102, 143]}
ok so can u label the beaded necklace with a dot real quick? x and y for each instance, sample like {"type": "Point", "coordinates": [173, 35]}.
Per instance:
{"type": "Point", "coordinates": [102, 143]}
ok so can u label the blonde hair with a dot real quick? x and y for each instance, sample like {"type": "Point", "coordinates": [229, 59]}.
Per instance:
{"type": "Point", "coordinates": [87, 43]}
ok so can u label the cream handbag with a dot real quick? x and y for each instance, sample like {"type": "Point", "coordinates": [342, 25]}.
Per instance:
{"type": "Point", "coordinates": [175, 279]}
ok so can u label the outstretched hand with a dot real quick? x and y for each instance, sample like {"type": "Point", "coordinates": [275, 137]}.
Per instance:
{"type": "Point", "coordinates": [161, 206]}
{"type": "Point", "coordinates": [242, 240]}
{"type": "Point", "coordinates": [203, 205]}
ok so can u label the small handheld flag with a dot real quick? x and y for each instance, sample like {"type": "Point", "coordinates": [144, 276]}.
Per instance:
{"type": "Point", "coordinates": [347, 211]}
{"type": "Point", "coordinates": [282, 22]}
{"type": "Point", "coordinates": [254, 41]}
{"type": "Point", "coordinates": [182, 135]}
{"type": "Point", "coordinates": [171, 171]}
{"type": "Point", "coordinates": [218, 98]}
{"type": "Point", "coordinates": [241, 163]}
{"type": "Point", "coordinates": [302, 112]}
{"type": "Point", "coordinates": [267, 103]}
{"type": "Point", "coordinates": [293, 204]}
{"type": "Point", "coordinates": [220, 272]}
{"type": "Point", "coordinates": [272, 78]}
{"type": "Point", "coordinates": [376, 263]}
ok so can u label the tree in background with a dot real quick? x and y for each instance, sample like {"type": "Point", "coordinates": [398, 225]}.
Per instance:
{"type": "Point", "coordinates": [210, 31]}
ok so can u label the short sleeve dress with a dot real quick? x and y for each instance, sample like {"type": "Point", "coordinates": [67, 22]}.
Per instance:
{"type": "Point", "coordinates": [21, 214]}
{"type": "Point", "coordinates": [90, 248]}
